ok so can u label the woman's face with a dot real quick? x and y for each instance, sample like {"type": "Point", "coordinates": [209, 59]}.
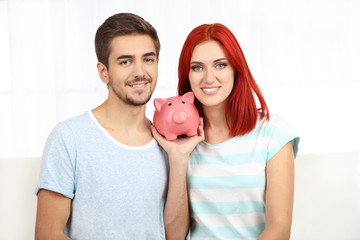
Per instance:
{"type": "Point", "coordinates": [211, 75]}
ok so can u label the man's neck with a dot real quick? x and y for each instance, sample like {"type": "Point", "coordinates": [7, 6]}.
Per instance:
{"type": "Point", "coordinates": [126, 123]}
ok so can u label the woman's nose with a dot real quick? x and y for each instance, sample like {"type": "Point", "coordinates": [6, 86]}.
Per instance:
{"type": "Point", "coordinates": [209, 76]}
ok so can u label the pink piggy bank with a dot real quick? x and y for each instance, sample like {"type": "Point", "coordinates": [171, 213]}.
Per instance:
{"type": "Point", "coordinates": [176, 116]}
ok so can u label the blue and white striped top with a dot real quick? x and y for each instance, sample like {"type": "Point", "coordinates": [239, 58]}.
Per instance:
{"type": "Point", "coordinates": [226, 182]}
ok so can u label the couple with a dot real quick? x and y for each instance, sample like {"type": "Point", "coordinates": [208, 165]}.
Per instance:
{"type": "Point", "coordinates": [104, 176]}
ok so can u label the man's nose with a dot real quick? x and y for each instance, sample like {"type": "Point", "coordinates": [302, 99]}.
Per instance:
{"type": "Point", "coordinates": [139, 71]}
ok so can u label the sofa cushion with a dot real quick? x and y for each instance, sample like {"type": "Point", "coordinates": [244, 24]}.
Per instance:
{"type": "Point", "coordinates": [327, 197]}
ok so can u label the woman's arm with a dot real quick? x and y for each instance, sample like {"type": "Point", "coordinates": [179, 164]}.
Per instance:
{"type": "Point", "coordinates": [176, 210]}
{"type": "Point", "coordinates": [279, 195]}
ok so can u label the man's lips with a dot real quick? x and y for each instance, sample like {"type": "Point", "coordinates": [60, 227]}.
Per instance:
{"type": "Point", "coordinates": [138, 84]}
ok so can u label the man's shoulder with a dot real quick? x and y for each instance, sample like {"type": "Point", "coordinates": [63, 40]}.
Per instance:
{"type": "Point", "coordinates": [85, 116]}
{"type": "Point", "coordinates": [72, 124]}
{"type": "Point", "coordinates": [77, 121]}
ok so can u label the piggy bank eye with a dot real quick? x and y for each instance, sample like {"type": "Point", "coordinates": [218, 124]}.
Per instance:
{"type": "Point", "coordinates": [183, 101]}
{"type": "Point", "coordinates": [169, 103]}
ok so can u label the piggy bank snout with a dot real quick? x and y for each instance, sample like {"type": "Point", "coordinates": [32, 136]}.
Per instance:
{"type": "Point", "coordinates": [179, 117]}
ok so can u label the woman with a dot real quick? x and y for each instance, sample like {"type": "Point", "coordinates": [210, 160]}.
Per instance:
{"type": "Point", "coordinates": [247, 155]}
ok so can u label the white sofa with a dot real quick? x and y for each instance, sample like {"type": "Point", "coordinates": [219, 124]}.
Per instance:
{"type": "Point", "coordinates": [326, 207]}
{"type": "Point", "coordinates": [18, 178]}
{"type": "Point", "coordinates": [327, 197]}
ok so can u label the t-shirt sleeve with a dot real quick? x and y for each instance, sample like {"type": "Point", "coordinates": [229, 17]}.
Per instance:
{"type": "Point", "coordinates": [279, 132]}
{"type": "Point", "coordinates": [58, 162]}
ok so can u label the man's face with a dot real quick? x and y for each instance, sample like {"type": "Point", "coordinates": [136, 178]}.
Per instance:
{"type": "Point", "coordinates": [133, 69]}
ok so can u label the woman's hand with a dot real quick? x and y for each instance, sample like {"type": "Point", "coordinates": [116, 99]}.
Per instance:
{"type": "Point", "coordinates": [176, 210]}
{"type": "Point", "coordinates": [181, 147]}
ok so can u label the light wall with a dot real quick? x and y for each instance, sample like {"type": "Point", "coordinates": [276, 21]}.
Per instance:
{"type": "Point", "coordinates": [303, 53]}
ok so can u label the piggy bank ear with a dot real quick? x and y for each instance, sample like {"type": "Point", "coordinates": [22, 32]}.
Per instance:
{"type": "Point", "coordinates": [189, 96]}
{"type": "Point", "coordinates": [158, 102]}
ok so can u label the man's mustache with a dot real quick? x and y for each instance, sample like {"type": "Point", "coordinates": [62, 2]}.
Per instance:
{"type": "Point", "coordinates": [136, 80]}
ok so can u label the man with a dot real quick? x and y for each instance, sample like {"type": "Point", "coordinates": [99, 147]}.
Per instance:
{"type": "Point", "coordinates": [103, 175]}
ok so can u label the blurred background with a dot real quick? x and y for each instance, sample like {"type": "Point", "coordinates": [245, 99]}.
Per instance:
{"type": "Point", "coordinates": [305, 55]}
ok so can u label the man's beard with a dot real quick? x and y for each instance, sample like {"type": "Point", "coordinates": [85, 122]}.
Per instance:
{"type": "Point", "coordinates": [128, 99]}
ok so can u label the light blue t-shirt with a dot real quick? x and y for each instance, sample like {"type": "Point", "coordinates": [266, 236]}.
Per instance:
{"type": "Point", "coordinates": [227, 182]}
{"type": "Point", "coordinates": [117, 191]}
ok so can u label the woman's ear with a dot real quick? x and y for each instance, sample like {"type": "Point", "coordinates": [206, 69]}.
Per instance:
{"type": "Point", "coordinates": [103, 72]}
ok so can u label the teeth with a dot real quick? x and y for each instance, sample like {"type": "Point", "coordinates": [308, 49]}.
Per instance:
{"type": "Point", "coordinates": [138, 85]}
{"type": "Point", "coordinates": [210, 89]}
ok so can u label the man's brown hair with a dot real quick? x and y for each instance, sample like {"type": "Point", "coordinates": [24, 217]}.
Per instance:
{"type": "Point", "coordinates": [119, 25]}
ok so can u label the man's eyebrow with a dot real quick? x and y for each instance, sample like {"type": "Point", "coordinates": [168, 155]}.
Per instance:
{"type": "Point", "coordinates": [149, 54]}
{"type": "Point", "coordinates": [124, 56]}
{"type": "Point", "coordinates": [132, 56]}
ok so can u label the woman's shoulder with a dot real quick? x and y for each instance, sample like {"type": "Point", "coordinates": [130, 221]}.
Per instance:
{"type": "Point", "coordinates": [274, 120]}
{"type": "Point", "coordinates": [278, 132]}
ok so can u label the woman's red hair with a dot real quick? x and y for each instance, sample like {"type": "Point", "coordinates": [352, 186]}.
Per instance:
{"type": "Point", "coordinates": [241, 110]}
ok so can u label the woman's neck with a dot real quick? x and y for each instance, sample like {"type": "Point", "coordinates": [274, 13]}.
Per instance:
{"type": "Point", "coordinates": [215, 126]}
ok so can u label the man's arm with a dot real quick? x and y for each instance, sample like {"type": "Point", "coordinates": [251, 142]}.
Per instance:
{"type": "Point", "coordinates": [53, 211]}
{"type": "Point", "coordinates": [176, 211]}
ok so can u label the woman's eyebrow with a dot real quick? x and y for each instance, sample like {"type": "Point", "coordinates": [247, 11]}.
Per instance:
{"type": "Point", "coordinates": [216, 60]}
{"type": "Point", "coordinates": [220, 59]}
{"type": "Point", "coordinates": [195, 62]}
